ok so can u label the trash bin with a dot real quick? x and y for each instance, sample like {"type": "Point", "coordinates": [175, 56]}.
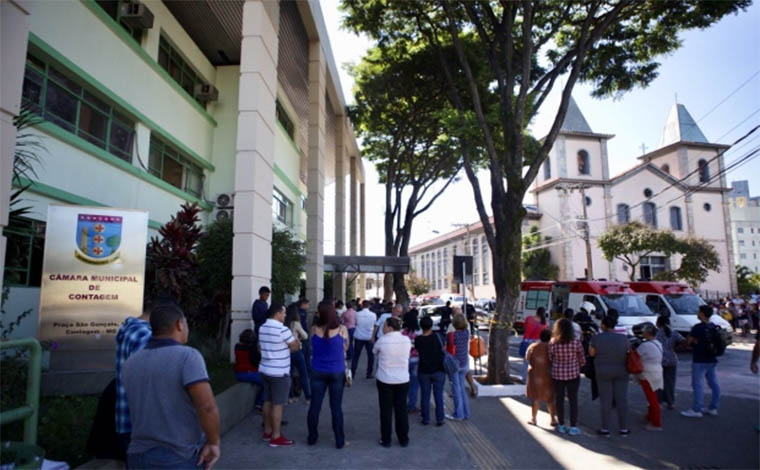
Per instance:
{"type": "Point", "coordinates": [18, 456]}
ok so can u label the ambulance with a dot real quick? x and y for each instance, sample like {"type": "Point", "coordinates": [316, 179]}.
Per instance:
{"type": "Point", "coordinates": [676, 300]}
{"type": "Point", "coordinates": [556, 296]}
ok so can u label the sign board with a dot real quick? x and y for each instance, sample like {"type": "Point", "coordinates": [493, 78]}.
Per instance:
{"type": "Point", "coordinates": [461, 262]}
{"type": "Point", "coordinates": [92, 275]}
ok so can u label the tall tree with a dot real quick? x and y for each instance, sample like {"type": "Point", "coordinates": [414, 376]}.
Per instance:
{"type": "Point", "coordinates": [526, 47]}
{"type": "Point", "coordinates": [401, 119]}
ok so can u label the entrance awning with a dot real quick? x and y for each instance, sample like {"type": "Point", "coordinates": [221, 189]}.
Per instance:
{"type": "Point", "coordinates": [366, 264]}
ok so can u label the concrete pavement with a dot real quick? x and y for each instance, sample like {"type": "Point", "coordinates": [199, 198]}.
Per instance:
{"type": "Point", "coordinates": [497, 435]}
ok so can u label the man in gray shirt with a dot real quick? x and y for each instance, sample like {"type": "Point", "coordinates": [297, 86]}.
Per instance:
{"type": "Point", "coordinates": [610, 351]}
{"type": "Point", "coordinates": [175, 421]}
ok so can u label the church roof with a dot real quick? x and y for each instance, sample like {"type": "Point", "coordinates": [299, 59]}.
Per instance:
{"type": "Point", "coordinates": [680, 127]}
{"type": "Point", "coordinates": [574, 120]}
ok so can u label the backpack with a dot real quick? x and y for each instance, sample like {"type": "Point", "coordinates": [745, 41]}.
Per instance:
{"type": "Point", "coordinates": [716, 340]}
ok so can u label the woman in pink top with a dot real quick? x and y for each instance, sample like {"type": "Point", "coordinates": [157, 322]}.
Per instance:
{"type": "Point", "coordinates": [531, 333]}
{"type": "Point", "coordinates": [348, 319]}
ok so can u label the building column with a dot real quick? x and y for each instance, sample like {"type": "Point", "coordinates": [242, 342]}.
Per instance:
{"type": "Point", "coordinates": [729, 234]}
{"type": "Point", "coordinates": [339, 279]}
{"type": "Point", "coordinates": [316, 175]}
{"type": "Point", "coordinates": [353, 220]}
{"type": "Point", "coordinates": [14, 32]}
{"type": "Point", "coordinates": [362, 231]}
{"type": "Point", "coordinates": [254, 160]}
{"type": "Point", "coordinates": [566, 265]}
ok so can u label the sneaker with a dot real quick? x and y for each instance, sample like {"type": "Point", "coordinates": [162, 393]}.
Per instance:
{"type": "Point", "coordinates": [573, 431]}
{"type": "Point", "coordinates": [603, 432]}
{"type": "Point", "coordinates": [692, 414]}
{"type": "Point", "coordinates": [561, 429]}
{"type": "Point", "coordinates": [384, 444]}
{"type": "Point", "coordinates": [281, 441]}
{"type": "Point", "coordinates": [453, 418]}
{"type": "Point", "coordinates": [712, 412]}
{"type": "Point", "coordinates": [625, 432]}
{"type": "Point", "coordinates": [650, 427]}
{"type": "Point", "coordinates": [266, 437]}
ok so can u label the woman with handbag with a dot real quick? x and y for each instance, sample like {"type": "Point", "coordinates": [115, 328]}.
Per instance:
{"type": "Point", "coordinates": [610, 353]}
{"type": "Point", "coordinates": [458, 346]}
{"type": "Point", "coordinates": [329, 341]}
{"type": "Point", "coordinates": [567, 357]}
{"type": "Point", "coordinates": [531, 334]}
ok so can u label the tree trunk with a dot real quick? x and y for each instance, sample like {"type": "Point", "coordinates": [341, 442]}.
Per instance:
{"type": "Point", "coordinates": [399, 288]}
{"type": "Point", "coordinates": [387, 287]}
{"type": "Point", "coordinates": [507, 259]}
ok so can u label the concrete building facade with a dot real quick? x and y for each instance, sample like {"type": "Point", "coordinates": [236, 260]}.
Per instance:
{"type": "Point", "coordinates": [745, 225]}
{"type": "Point", "coordinates": [236, 106]}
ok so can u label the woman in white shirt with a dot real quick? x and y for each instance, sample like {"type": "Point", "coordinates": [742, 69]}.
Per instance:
{"type": "Point", "coordinates": [392, 351]}
{"type": "Point", "coordinates": [651, 378]}
{"type": "Point", "coordinates": [297, 359]}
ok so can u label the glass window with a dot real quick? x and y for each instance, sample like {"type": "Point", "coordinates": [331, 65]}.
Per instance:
{"type": "Point", "coordinates": [547, 169]}
{"type": "Point", "coordinates": [651, 265]}
{"type": "Point", "coordinates": [623, 213]}
{"type": "Point", "coordinates": [282, 208]}
{"type": "Point", "coordinates": [24, 252]}
{"type": "Point", "coordinates": [475, 262]}
{"type": "Point", "coordinates": [650, 214]}
{"type": "Point", "coordinates": [284, 119]}
{"type": "Point", "coordinates": [175, 168]}
{"type": "Point", "coordinates": [740, 230]}
{"type": "Point", "coordinates": [537, 298]}
{"type": "Point", "coordinates": [704, 171]}
{"type": "Point", "coordinates": [666, 168]}
{"type": "Point", "coordinates": [112, 8]}
{"type": "Point", "coordinates": [584, 166]}
{"type": "Point", "coordinates": [63, 102]}
{"type": "Point", "coordinates": [675, 218]}
{"type": "Point", "coordinates": [170, 59]}
{"type": "Point", "coordinates": [741, 242]}
{"type": "Point", "coordinates": [486, 262]}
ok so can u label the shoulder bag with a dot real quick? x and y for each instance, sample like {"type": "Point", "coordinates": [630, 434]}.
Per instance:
{"type": "Point", "coordinates": [450, 363]}
{"type": "Point", "coordinates": [634, 364]}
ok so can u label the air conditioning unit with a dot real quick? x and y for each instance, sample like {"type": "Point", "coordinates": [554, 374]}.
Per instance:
{"type": "Point", "coordinates": [224, 206]}
{"type": "Point", "coordinates": [136, 15]}
{"type": "Point", "coordinates": [206, 92]}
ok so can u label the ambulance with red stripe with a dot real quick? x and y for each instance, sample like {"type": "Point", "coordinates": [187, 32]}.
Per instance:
{"type": "Point", "coordinates": [675, 300]}
{"type": "Point", "coordinates": [556, 296]}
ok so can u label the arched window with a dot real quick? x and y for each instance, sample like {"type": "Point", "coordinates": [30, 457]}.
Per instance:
{"type": "Point", "coordinates": [704, 171]}
{"type": "Point", "coordinates": [623, 213]}
{"type": "Point", "coordinates": [675, 218]}
{"type": "Point", "coordinates": [666, 168]}
{"type": "Point", "coordinates": [584, 166]}
{"type": "Point", "coordinates": [547, 169]}
{"type": "Point", "coordinates": [650, 214]}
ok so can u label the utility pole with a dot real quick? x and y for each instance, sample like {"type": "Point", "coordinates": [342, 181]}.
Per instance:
{"type": "Point", "coordinates": [586, 236]}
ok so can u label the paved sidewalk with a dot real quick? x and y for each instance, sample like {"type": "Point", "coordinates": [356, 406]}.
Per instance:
{"type": "Point", "coordinates": [497, 436]}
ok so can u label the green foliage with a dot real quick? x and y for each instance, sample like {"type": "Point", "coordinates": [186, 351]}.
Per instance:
{"type": "Point", "coordinates": [26, 156]}
{"type": "Point", "coordinates": [632, 241]}
{"type": "Point", "coordinates": [417, 285]}
{"type": "Point", "coordinates": [215, 259]}
{"type": "Point", "coordinates": [7, 326]}
{"type": "Point", "coordinates": [288, 260]}
{"type": "Point", "coordinates": [748, 282]}
{"type": "Point", "coordinates": [537, 262]}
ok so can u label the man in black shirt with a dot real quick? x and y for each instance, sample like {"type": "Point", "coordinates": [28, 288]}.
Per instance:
{"type": "Point", "coordinates": [703, 364]}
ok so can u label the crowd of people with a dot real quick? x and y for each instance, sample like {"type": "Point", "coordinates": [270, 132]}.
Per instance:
{"type": "Point", "coordinates": [409, 361]}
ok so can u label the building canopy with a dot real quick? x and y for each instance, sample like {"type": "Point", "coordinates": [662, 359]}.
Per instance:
{"type": "Point", "coordinates": [366, 264]}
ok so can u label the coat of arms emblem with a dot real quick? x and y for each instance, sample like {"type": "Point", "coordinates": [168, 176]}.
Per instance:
{"type": "Point", "coordinates": [98, 238]}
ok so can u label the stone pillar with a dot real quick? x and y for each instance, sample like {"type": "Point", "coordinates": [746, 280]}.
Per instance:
{"type": "Point", "coordinates": [316, 175]}
{"type": "Point", "coordinates": [362, 231]}
{"type": "Point", "coordinates": [339, 279]}
{"type": "Point", "coordinates": [254, 160]}
{"type": "Point", "coordinates": [353, 220]}
{"type": "Point", "coordinates": [14, 32]}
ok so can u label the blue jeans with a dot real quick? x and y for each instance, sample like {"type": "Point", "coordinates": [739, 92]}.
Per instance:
{"type": "Point", "coordinates": [414, 384]}
{"type": "Point", "coordinates": [254, 378]}
{"type": "Point", "coordinates": [161, 458]}
{"type": "Point", "coordinates": [298, 361]}
{"type": "Point", "coordinates": [362, 344]}
{"type": "Point", "coordinates": [350, 352]}
{"type": "Point", "coordinates": [700, 370]}
{"type": "Point", "coordinates": [437, 380]}
{"type": "Point", "coordinates": [461, 402]}
{"type": "Point", "coordinates": [321, 382]}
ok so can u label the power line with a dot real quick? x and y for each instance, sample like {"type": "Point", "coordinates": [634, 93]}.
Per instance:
{"type": "Point", "coordinates": [740, 123]}
{"type": "Point", "coordinates": [729, 95]}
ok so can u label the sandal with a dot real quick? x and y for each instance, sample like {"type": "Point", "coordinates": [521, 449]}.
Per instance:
{"type": "Point", "coordinates": [532, 422]}
{"type": "Point", "coordinates": [554, 424]}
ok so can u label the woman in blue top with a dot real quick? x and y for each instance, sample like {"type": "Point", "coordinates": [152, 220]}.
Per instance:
{"type": "Point", "coordinates": [329, 342]}
{"type": "Point", "coordinates": [458, 345]}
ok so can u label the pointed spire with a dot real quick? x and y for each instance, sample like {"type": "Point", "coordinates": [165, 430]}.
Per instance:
{"type": "Point", "coordinates": [680, 127]}
{"type": "Point", "coordinates": [574, 120]}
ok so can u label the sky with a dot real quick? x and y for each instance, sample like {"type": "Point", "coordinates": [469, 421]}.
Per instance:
{"type": "Point", "coordinates": [710, 65]}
